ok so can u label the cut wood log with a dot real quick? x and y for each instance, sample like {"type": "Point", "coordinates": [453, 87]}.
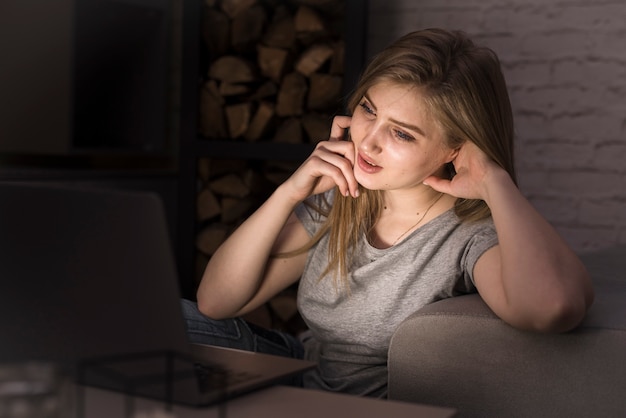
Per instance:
{"type": "Point", "coordinates": [272, 62]}
{"type": "Point", "coordinates": [238, 118]}
{"type": "Point", "coordinates": [317, 126]}
{"type": "Point", "coordinates": [230, 185]}
{"type": "Point", "coordinates": [210, 238]}
{"type": "Point", "coordinates": [337, 62]}
{"type": "Point", "coordinates": [324, 92]}
{"type": "Point", "coordinates": [247, 28]}
{"type": "Point", "coordinates": [203, 167]}
{"type": "Point", "coordinates": [236, 209]}
{"type": "Point", "coordinates": [212, 122]}
{"type": "Point", "coordinates": [307, 20]}
{"type": "Point", "coordinates": [234, 7]}
{"type": "Point", "coordinates": [313, 58]}
{"type": "Point", "coordinates": [232, 69]}
{"type": "Point", "coordinates": [265, 91]}
{"type": "Point", "coordinates": [231, 89]}
{"type": "Point", "coordinates": [281, 33]}
{"type": "Point", "coordinates": [215, 31]}
{"type": "Point", "coordinates": [207, 205]}
{"type": "Point", "coordinates": [289, 131]}
{"type": "Point", "coordinates": [201, 261]}
{"type": "Point", "coordinates": [260, 122]}
{"type": "Point", "coordinates": [290, 100]}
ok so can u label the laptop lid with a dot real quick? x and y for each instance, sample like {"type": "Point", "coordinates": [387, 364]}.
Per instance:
{"type": "Point", "coordinates": [85, 273]}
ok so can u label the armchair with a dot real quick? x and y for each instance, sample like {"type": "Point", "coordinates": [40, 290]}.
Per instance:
{"type": "Point", "coordinates": [457, 353]}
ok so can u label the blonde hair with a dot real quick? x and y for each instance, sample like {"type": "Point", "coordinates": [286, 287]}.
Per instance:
{"type": "Point", "coordinates": [465, 92]}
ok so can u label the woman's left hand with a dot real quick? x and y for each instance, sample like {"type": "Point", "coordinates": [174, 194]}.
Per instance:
{"type": "Point", "coordinates": [473, 170]}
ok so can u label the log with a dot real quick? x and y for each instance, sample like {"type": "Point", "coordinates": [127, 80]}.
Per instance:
{"type": "Point", "coordinates": [215, 31]}
{"type": "Point", "coordinates": [235, 209]}
{"type": "Point", "coordinates": [308, 21]}
{"type": "Point", "coordinates": [203, 167]}
{"type": "Point", "coordinates": [230, 185]}
{"type": "Point", "coordinates": [260, 122]}
{"type": "Point", "coordinates": [247, 28]}
{"type": "Point", "coordinates": [234, 7]}
{"type": "Point", "coordinates": [290, 132]}
{"type": "Point", "coordinates": [337, 62]}
{"type": "Point", "coordinates": [238, 118]}
{"type": "Point", "coordinates": [232, 69]}
{"type": "Point", "coordinates": [317, 126]}
{"type": "Point", "coordinates": [281, 33]}
{"type": "Point", "coordinates": [290, 100]}
{"type": "Point", "coordinates": [325, 92]}
{"type": "Point", "coordinates": [210, 238]}
{"type": "Point", "coordinates": [313, 58]}
{"type": "Point", "coordinates": [265, 91]}
{"type": "Point", "coordinates": [207, 205]}
{"type": "Point", "coordinates": [232, 89]}
{"type": "Point", "coordinates": [272, 62]}
{"type": "Point", "coordinates": [212, 122]}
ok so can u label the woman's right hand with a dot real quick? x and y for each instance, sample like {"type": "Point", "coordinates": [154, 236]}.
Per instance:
{"type": "Point", "coordinates": [330, 164]}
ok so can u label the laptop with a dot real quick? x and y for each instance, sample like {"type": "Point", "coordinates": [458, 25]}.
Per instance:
{"type": "Point", "coordinates": [88, 281]}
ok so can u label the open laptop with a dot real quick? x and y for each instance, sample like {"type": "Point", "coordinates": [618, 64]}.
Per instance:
{"type": "Point", "coordinates": [88, 281]}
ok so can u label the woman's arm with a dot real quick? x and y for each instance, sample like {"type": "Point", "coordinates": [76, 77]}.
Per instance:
{"type": "Point", "coordinates": [243, 274]}
{"type": "Point", "coordinates": [532, 279]}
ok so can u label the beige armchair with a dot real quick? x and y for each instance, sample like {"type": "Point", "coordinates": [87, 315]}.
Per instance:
{"type": "Point", "coordinates": [457, 353]}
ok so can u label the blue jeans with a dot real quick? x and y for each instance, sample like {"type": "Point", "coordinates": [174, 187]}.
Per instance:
{"type": "Point", "coordinates": [237, 333]}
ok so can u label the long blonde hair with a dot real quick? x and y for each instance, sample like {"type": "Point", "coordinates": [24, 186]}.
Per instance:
{"type": "Point", "coordinates": [465, 92]}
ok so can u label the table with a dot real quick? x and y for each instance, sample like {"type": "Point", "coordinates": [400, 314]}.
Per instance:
{"type": "Point", "coordinates": [272, 402]}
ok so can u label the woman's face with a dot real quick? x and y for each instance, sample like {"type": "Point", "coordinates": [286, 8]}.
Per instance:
{"type": "Point", "coordinates": [397, 143]}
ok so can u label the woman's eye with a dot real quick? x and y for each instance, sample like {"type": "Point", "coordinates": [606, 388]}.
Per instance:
{"type": "Point", "coordinates": [366, 108]}
{"type": "Point", "coordinates": [404, 136]}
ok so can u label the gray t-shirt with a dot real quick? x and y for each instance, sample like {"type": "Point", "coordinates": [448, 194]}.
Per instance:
{"type": "Point", "coordinates": [351, 331]}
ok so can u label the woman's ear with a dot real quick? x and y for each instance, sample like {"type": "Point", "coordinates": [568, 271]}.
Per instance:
{"type": "Point", "coordinates": [452, 154]}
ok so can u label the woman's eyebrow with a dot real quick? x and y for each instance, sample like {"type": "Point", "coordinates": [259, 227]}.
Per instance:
{"type": "Point", "coordinates": [395, 121]}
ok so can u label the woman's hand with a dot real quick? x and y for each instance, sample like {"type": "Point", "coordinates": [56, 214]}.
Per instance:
{"type": "Point", "coordinates": [473, 171]}
{"type": "Point", "coordinates": [330, 164]}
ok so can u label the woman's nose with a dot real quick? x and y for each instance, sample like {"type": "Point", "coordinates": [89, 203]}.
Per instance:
{"type": "Point", "coordinates": [371, 142]}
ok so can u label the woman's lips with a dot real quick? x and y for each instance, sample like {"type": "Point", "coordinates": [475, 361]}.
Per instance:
{"type": "Point", "coordinates": [367, 167]}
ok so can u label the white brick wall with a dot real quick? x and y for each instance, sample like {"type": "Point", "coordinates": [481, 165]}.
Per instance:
{"type": "Point", "coordinates": [565, 64]}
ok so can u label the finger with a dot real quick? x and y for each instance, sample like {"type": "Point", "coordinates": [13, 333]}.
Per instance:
{"type": "Point", "coordinates": [345, 165]}
{"type": "Point", "coordinates": [341, 154]}
{"type": "Point", "coordinates": [339, 128]}
{"type": "Point", "coordinates": [325, 168]}
{"type": "Point", "coordinates": [439, 184]}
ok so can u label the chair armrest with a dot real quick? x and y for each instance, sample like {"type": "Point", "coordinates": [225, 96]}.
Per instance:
{"type": "Point", "coordinates": [458, 353]}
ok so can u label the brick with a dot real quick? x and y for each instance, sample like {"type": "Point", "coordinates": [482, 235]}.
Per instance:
{"type": "Point", "coordinates": [530, 126]}
{"type": "Point", "coordinates": [561, 211]}
{"type": "Point", "coordinates": [592, 127]}
{"type": "Point", "coordinates": [585, 239]}
{"type": "Point", "coordinates": [586, 183]}
{"type": "Point", "coordinates": [551, 155]}
{"type": "Point", "coordinates": [557, 43]}
{"type": "Point", "coordinates": [612, 157]}
{"type": "Point", "coordinates": [602, 212]}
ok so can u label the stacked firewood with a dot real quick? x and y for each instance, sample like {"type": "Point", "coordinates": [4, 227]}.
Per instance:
{"type": "Point", "coordinates": [274, 69]}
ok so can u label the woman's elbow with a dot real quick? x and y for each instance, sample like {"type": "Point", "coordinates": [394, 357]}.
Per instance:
{"type": "Point", "coordinates": [565, 312]}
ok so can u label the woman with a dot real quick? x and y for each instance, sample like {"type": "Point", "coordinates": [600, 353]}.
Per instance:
{"type": "Point", "coordinates": [418, 204]}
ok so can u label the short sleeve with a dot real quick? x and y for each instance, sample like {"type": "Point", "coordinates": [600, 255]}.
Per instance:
{"type": "Point", "coordinates": [483, 239]}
